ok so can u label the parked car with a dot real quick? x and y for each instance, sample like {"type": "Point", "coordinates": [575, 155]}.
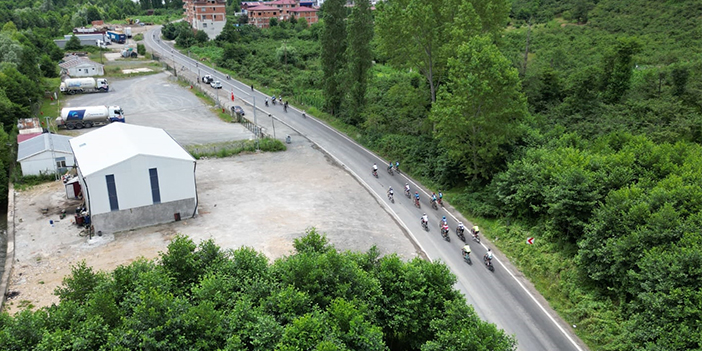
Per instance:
{"type": "Point", "coordinates": [216, 84]}
{"type": "Point", "coordinates": [238, 110]}
{"type": "Point", "coordinates": [207, 79]}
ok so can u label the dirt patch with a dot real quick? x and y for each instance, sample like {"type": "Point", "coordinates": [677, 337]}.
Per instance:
{"type": "Point", "coordinates": [262, 200]}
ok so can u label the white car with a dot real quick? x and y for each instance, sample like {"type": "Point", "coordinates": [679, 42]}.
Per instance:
{"type": "Point", "coordinates": [216, 84]}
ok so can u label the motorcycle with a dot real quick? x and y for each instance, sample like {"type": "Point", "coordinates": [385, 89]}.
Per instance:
{"type": "Point", "coordinates": [441, 202]}
{"type": "Point", "coordinates": [228, 77]}
{"type": "Point", "coordinates": [445, 234]}
{"type": "Point", "coordinates": [425, 225]}
{"type": "Point", "coordinates": [273, 101]}
{"type": "Point", "coordinates": [433, 205]}
{"type": "Point", "coordinates": [407, 192]}
{"type": "Point", "coordinates": [391, 197]}
{"type": "Point", "coordinates": [375, 173]}
{"type": "Point", "coordinates": [416, 203]}
{"type": "Point", "coordinates": [488, 263]}
{"type": "Point", "coordinates": [459, 234]}
{"type": "Point", "coordinates": [390, 171]}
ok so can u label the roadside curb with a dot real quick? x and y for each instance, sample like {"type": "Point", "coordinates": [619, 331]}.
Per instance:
{"type": "Point", "coordinates": [10, 256]}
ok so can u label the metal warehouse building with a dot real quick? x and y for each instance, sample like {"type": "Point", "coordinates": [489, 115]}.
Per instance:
{"type": "Point", "coordinates": [133, 176]}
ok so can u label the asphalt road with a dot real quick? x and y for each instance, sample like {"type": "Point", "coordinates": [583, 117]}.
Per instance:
{"type": "Point", "coordinates": [503, 297]}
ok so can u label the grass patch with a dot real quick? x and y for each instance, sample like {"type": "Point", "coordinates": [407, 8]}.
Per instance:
{"type": "Point", "coordinates": [25, 304]}
{"type": "Point", "coordinates": [25, 182]}
{"type": "Point", "coordinates": [138, 37]}
{"type": "Point", "coordinates": [116, 71]}
{"type": "Point", "coordinates": [232, 148]}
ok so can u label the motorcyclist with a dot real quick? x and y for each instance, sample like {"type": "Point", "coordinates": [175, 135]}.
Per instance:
{"type": "Point", "coordinates": [441, 197]}
{"type": "Point", "coordinates": [416, 197]}
{"type": "Point", "coordinates": [443, 221]}
{"type": "Point", "coordinates": [476, 231]}
{"type": "Point", "coordinates": [266, 101]}
{"type": "Point", "coordinates": [391, 193]}
{"type": "Point", "coordinates": [425, 219]}
{"type": "Point", "coordinates": [375, 169]}
{"type": "Point", "coordinates": [433, 197]}
{"type": "Point", "coordinates": [390, 166]}
{"type": "Point", "coordinates": [407, 188]}
{"type": "Point", "coordinates": [304, 115]}
{"type": "Point", "coordinates": [397, 166]}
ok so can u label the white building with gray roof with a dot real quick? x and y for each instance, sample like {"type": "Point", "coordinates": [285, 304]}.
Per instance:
{"type": "Point", "coordinates": [36, 156]}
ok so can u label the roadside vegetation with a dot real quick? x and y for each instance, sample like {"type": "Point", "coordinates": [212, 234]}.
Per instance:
{"type": "Point", "coordinates": [198, 296]}
{"type": "Point", "coordinates": [233, 148]}
{"type": "Point", "coordinates": [579, 123]}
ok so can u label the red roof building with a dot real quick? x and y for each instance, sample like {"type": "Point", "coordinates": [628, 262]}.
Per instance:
{"type": "Point", "coordinates": [260, 16]}
{"type": "Point", "coordinates": [308, 13]}
{"type": "Point", "coordinates": [260, 13]}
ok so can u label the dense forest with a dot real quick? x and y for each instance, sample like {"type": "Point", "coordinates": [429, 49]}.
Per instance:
{"type": "Point", "coordinates": [200, 297]}
{"type": "Point", "coordinates": [578, 122]}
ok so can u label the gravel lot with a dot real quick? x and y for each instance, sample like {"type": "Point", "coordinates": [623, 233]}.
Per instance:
{"type": "Point", "coordinates": [158, 101]}
{"type": "Point", "coordinates": [260, 200]}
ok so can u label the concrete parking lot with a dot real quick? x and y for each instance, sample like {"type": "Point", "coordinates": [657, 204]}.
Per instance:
{"type": "Point", "coordinates": [158, 101]}
{"type": "Point", "coordinates": [262, 200]}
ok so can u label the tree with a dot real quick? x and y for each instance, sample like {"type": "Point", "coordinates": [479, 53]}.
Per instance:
{"type": "Point", "coordinates": [201, 37]}
{"type": "Point", "coordinates": [360, 57]}
{"type": "Point", "coordinates": [479, 110]}
{"type": "Point", "coordinates": [73, 43]}
{"type": "Point", "coordinates": [49, 68]}
{"type": "Point", "coordinates": [418, 34]}
{"type": "Point", "coordinates": [618, 68]}
{"type": "Point", "coordinates": [333, 48]}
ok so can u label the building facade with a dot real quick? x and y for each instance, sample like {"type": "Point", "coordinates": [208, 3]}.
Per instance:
{"type": "Point", "coordinates": [133, 176]}
{"type": "Point", "coordinates": [81, 67]}
{"type": "Point", "coordinates": [261, 15]}
{"type": "Point", "coordinates": [45, 154]}
{"type": "Point", "coordinates": [261, 12]}
{"type": "Point", "coordinates": [206, 15]}
{"type": "Point", "coordinates": [308, 13]}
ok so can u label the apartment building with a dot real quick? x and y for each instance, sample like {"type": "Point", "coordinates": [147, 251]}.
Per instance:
{"type": "Point", "coordinates": [206, 15]}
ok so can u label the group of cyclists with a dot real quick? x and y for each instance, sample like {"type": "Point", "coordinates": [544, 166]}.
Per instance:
{"type": "Point", "coordinates": [443, 225]}
{"type": "Point", "coordinates": [280, 100]}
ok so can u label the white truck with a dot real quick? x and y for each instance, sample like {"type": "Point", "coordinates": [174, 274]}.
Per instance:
{"type": "Point", "coordinates": [72, 86]}
{"type": "Point", "coordinates": [128, 32]}
{"type": "Point", "coordinates": [88, 116]}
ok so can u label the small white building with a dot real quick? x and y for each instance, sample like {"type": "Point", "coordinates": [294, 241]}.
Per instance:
{"type": "Point", "coordinates": [36, 157]}
{"type": "Point", "coordinates": [133, 176]}
{"type": "Point", "coordinates": [81, 67]}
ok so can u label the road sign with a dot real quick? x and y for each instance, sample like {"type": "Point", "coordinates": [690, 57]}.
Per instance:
{"type": "Point", "coordinates": [530, 240]}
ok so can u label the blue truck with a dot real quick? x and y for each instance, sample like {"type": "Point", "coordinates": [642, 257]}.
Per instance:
{"type": "Point", "coordinates": [117, 37]}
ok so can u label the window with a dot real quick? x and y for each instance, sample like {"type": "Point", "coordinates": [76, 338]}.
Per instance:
{"type": "Point", "coordinates": [204, 25]}
{"type": "Point", "coordinates": [155, 191]}
{"type": "Point", "coordinates": [112, 192]}
{"type": "Point", "coordinates": [61, 162]}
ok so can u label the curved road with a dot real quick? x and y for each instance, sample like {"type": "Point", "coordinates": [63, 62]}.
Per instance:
{"type": "Point", "coordinates": [503, 297]}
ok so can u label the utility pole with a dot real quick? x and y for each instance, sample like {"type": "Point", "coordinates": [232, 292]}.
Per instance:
{"type": "Point", "coordinates": [255, 122]}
